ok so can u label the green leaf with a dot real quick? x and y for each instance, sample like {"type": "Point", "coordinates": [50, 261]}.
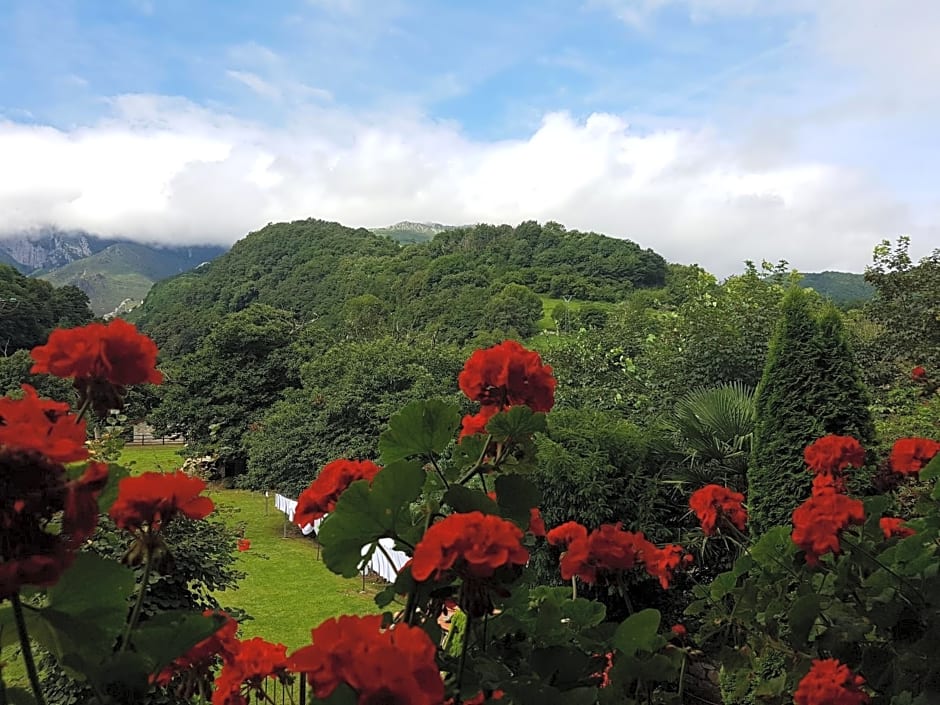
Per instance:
{"type": "Point", "coordinates": [932, 469]}
{"type": "Point", "coordinates": [774, 547]}
{"type": "Point", "coordinates": [803, 615]}
{"type": "Point", "coordinates": [638, 632]}
{"type": "Point", "coordinates": [109, 493]}
{"type": "Point", "coordinates": [420, 429]}
{"type": "Point", "coordinates": [168, 635]}
{"type": "Point", "coordinates": [94, 589]}
{"type": "Point", "coordinates": [464, 499]}
{"type": "Point", "coordinates": [365, 514]}
{"type": "Point", "coordinates": [517, 423]}
{"type": "Point", "coordinates": [516, 497]}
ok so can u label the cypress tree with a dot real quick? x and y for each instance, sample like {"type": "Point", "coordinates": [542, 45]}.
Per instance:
{"type": "Point", "coordinates": [810, 388]}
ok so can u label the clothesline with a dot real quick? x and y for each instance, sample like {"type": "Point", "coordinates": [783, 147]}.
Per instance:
{"type": "Point", "coordinates": [386, 566]}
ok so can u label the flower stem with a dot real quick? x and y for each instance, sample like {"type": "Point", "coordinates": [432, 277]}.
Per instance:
{"type": "Point", "coordinates": [463, 657]}
{"type": "Point", "coordinates": [26, 648]}
{"type": "Point", "coordinates": [478, 464]}
{"type": "Point", "coordinates": [138, 605]}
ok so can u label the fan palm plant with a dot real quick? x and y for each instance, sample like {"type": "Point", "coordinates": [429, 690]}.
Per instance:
{"type": "Point", "coordinates": [715, 426]}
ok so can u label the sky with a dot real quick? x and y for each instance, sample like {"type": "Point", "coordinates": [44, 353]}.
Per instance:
{"type": "Point", "coordinates": [712, 131]}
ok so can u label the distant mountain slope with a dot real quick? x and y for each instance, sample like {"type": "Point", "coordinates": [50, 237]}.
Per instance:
{"type": "Point", "coordinates": [127, 270]}
{"type": "Point", "coordinates": [48, 248]}
{"type": "Point", "coordinates": [407, 231]}
{"type": "Point", "coordinates": [844, 288]}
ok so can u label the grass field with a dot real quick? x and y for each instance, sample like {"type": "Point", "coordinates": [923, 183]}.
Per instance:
{"type": "Point", "coordinates": [286, 589]}
{"type": "Point", "coordinates": [141, 458]}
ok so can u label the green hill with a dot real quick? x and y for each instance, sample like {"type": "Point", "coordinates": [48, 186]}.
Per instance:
{"type": "Point", "coordinates": [126, 270]}
{"type": "Point", "coordinates": [463, 281]}
{"type": "Point", "coordinates": [844, 288]}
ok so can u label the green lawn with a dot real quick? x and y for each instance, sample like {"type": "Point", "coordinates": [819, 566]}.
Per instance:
{"type": "Point", "coordinates": [141, 458]}
{"type": "Point", "coordinates": [286, 589]}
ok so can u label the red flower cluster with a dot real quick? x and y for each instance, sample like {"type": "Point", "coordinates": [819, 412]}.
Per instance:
{"type": "Point", "coordinates": [248, 664]}
{"type": "Point", "coordinates": [42, 425]}
{"type": "Point", "coordinates": [891, 526]}
{"type": "Point", "coordinates": [502, 376]}
{"type": "Point", "coordinates": [154, 499]}
{"type": "Point", "coordinates": [679, 631]}
{"type": "Point", "coordinates": [202, 657]}
{"type": "Point", "coordinates": [830, 682]}
{"type": "Point", "coordinates": [33, 492]}
{"type": "Point", "coordinates": [472, 544]}
{"type": "Point", "coordinates": [909, 455]}
{"type": "Point", "coordinates": [395, 667]}
{"type": "Point", "coordinates": [115, 352]}
{"type": "Point", "coordinates": [832, 454]}
{"type": "Point", "coordinates": [610, 549]}
{"type": "Point", "coordinates": [819, 520]}
{"type": "Point", "coordinates": [321, 496]}
{"type": "Point", "coordinates": [712, 502]}
{"type": "Point", "coordinates": [102, 359]}
{"type": "Point", "coordinates": [918, 374]}
{"type": "Point", "coordinates": [244, 544]}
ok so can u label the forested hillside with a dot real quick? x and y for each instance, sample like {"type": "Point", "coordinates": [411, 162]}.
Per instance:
{"type": "Point", "coordinates": [845, 289]}
{"type": "Point", "coordinates": [463, 282]}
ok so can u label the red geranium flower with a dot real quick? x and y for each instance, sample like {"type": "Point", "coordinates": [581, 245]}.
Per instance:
{"type": "Point", "coordinates": [826, 483]}
{"type": "Point", "coordinates": [244, 544]}
{"type": "Point", "coordinates": [819, 520]}
{"type": "Point", "coordinates": [102, 359]}
{"type": "Point", "coordinates": [249, 664]}
{"type": "Point", "coordinates": [610, 549]}
{"type": "Point", "coordinates": [508, 375]}
{"type": "Point", "coordinates": [202, 657]}
{"type": "Point", "coordinates": [712, 502]}
{"type": "Point", "coordinates": [394, 666]}
{"type": "Point", "coordinates": [662, 563]}
{"type": "Point", "coordinates": [909, 455]}
{"type": "Point", "coordinates": [831, 454]}
{"type": "Point", "coordinates": [830, 682]}
{"type": "Point", "coordinates": [891, 526]}
{"type": "Point", "coordinates": [42, 425]}
{"type": "Point", "coordinates": [918, 373]}
{"type": "Point", "coordinates": [154, 498]}
{"type": "Point", "coordinates": [679, 631]}
{"type": "Point", "coordinates": [472, 544]}
{"type": "Point", "coordinates": [115, 352]}
{"type": "Point", "coordinates": [321, 496]}
{"type": "Point", "coordinates": [34, 492]}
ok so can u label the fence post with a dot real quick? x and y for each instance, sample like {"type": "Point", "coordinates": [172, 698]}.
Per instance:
{"type": "Point", "coordinates": [303, 689]}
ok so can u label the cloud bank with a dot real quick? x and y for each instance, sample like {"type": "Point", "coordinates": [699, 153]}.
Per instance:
{"type": "Point", "coordinates": [165, 170]}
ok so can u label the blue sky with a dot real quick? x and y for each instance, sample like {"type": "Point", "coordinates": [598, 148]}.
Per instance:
{"type": "Point", "coordinates": [711, 130]}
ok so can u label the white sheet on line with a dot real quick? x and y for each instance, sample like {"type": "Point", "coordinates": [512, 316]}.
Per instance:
{"type": "Point", "coordinates": [385, 566]}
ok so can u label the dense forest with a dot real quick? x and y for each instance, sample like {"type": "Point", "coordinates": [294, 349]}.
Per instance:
{"type": "Point", "coordinates": [464, 281]}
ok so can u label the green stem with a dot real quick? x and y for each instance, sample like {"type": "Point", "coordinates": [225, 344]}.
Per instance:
{"type": "Point", "coordinates": [574, 588]}
{"type": "Point", "coordinates": [26, 648]}
{"type": "Point", "coordinates": [463, 658]}
{"type": "Point", "coordinates": [478, 464]}
{"type": "Point", "coordinates": [440, 473]}
{"type": "Point", "coordinates": [83, 409]}
{"type": "Point", "coordinates": [685, 659]}
{"type": "Point", "coordinates": [139, 604]}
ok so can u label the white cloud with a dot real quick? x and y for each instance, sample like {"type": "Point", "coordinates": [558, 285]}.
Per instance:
{"type": "Point", "coordinates": [166, 170]}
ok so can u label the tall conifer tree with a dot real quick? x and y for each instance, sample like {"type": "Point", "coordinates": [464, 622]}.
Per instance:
{"type": "Point", "coordinates": [810, 388]}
